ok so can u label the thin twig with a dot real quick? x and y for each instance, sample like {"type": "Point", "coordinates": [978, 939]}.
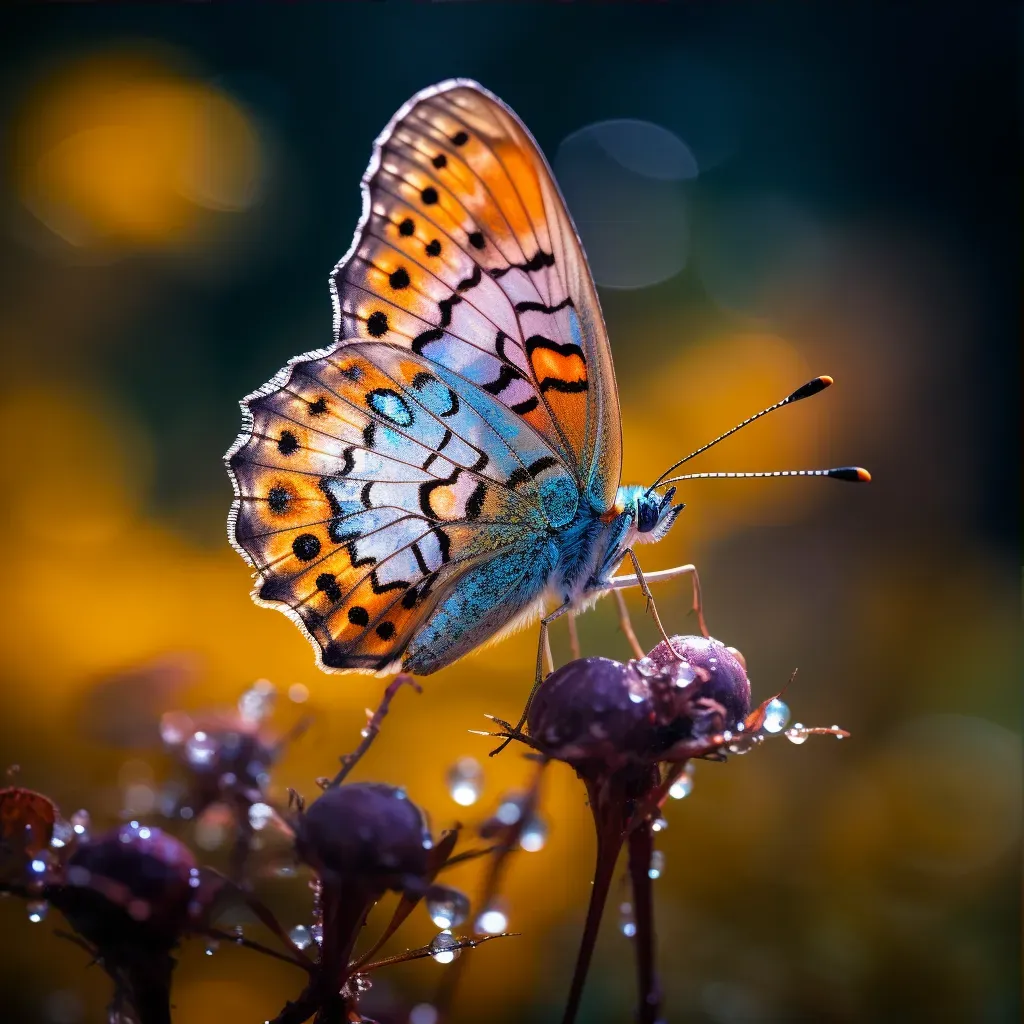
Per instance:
{"type": "Point", "coordinates": [425, 951]}
{"type": "Point", "coordinates": [240, 940]}
{"type": "Point", "coordinates": [349, 761]}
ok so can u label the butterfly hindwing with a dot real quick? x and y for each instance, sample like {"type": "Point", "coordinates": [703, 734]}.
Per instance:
{"type": "Point", "coordinates": [366, 485]}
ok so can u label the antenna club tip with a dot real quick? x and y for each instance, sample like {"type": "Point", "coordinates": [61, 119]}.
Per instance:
{"type": "Point", "coordinates": [852, 474]}
{"type": "Point", "coordinates": [812, 387]}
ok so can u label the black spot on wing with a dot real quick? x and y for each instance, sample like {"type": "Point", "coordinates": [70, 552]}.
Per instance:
{"type": "Point", "coordinates": [475, 504]}
{"type": "Point", "coordinates": [377, 324]}
{"type": "Point", "coordinates": [522, 408]}
{"type": "Point", "coordinates": [537, 262]}
{"type": "Point", "coordinates": [319, 407]}
{"type": "Point", "coordinates": [278, 500]}
{"type": "Point", "coordinates": [422, 340]}
{"type": "Point", "coordinates": [433, 248]}
{"type": "Point", "coordinates": [288, 443]}
{"type": "Point", "coordinates": [358, 616]}
{"type": "Point", "coordinates": [539, 307]}
{"type": "Point", "coordinates": [407, 227]}
{"type": "Point", "coordinates": [445, 546]}
{"type": "Point", "coordinates": [505, 377]}
{"type": "Point", "coordinates": [565, 387]}
{"type": "Point", "coordinates": [537, 341]}
{"type": "Point", "coordinates": [306, 547]}
{"type": "Point", "coordinates": [328, 583]}
{"type": "Point", "coordinates": [472, 281]}
{"type": "Point", "coordinates": [429, 195]}
{"type": "Point", "coordinates": [426, 489]}
{"type": "Point", "coordinates": [421, 562]}
{"type": "Point", "coordinates": [534, 469]}
{"type": "Point", "coordinates": [357, 562]}
{"type": "Point", "coordinates": [445, 306]}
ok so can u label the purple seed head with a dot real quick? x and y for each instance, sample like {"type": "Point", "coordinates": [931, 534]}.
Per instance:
{"type": "Point", "coordinates": [594, 709]}
{"type": "Point", "coordinates": [365, 831]}
{"type": "Point", "coordinates": [718, 695]}
{"type": "Point", "coordinates": [130, 887]}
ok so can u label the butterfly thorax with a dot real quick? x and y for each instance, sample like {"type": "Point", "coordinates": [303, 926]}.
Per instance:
{"type": "Point", "coordinates": [591, 548]}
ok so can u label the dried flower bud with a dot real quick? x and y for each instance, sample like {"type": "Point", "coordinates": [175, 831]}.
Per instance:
{"type": "Point", "coordinates": [368, 830]}
{"type": "Point", "coordinates": [720, 696]}
{"type": "Point", "coordinates": [131, 887]}
{"type": "Point", "coordinates": [594, 708]}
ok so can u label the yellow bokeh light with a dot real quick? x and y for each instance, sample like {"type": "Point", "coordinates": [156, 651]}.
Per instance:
{"type": "Point", "coordinates": [708, 388]}
{"type": "Point", "coordinates": [124, 152]}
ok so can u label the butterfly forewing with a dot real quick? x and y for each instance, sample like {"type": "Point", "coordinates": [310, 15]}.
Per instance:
{"type": "Point", "coordinates": [469, 257]}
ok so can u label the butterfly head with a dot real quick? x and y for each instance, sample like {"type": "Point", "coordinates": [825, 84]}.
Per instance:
{"type": "Point", "coordinates": [653, 513]}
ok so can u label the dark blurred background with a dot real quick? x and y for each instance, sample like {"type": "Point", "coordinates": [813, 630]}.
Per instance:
{"type": "Point", "coordinates": [794, 189]}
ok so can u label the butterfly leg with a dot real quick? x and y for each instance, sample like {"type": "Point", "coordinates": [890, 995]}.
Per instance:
{"type": "Point", "coordinates": [543, 647]}
{"type": "Point", "coordinates": [620, 582]}
{"type": "Point", "coordinates": [574, 637]}
{"type": "Point", "coordinates": [626, 625]}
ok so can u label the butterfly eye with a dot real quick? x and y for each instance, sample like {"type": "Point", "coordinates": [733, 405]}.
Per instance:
{"type": "Point", "coordinates": [647, 516]}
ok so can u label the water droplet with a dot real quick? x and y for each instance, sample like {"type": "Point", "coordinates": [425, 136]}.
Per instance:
{"type": "Point", "coordinates": [260, 815]}
{"type": "Point", "coordinates": [37, 910]}
{"type": "Point", "coordinates": [683, 674]}
{"type": "Point", "coordinates": [837, 730]}
{"type": "Point", "coordinates": [285, 871]}
{"type": "Point", "coordinates": [317, 931]}
{"type": "Point", "coordinates": [796, 734]}
{"type": "Point", "coordinates": [492, 920]}
{"type": "Point", "coordinates": [647, 667]}
{"type": "Point", "coordinates": [424, 1013]}
{"type": "Point", "coordinates": [659, 825]}
{"type": "Point", "coordinates": [301, 936]}
{"type": "Point", "coordinates": [361, 983]}
{"type": "Point", "coordinates": [442, 947]}
{"type": "Point", "coordinates": [80, 822]}
{"type": "Point", "coordinates": [683, 786]}
{"type": "Point", "coordinates": [201, 749]}
{"type": "Point", "coordinates": [63, 833]}
{"type": "Point", "coordinates": [38, 866]}
{"type": "Point", "coordinates": [627, 923]}
{"type": "Point", "coordinates": [298, 694]}
{"type": "Point", "coordinates": [465, 781]}
{"type": "Point", "coordinates": [509, 811]}
{"type": "Point", "coordinates": [534, 835]}
{"type": "Point", "coordinates": [776, 715]}
{"type": "Point", "coordinates": [657, 864]}
{"type": "Point", "coordinates": [211, 947]}
{"type": "Point", "coordinates": [175, 728]}
{"type": "Point", "coordinates": [447, 908]}
{"type": "Point", "coordinates": [257, 702]}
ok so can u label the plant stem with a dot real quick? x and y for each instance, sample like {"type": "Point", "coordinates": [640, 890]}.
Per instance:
{"type": "Point", "coordinates": [608, 822]}
{"type": "Point", "coordinates": [641, 846]}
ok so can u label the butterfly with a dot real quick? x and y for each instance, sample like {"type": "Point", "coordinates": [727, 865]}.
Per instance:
{"type": "Point", "coordinates": [449, 467]}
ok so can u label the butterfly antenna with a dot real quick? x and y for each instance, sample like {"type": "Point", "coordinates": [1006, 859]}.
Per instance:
{"type": "Point", "coordinates": [812, 387]}
{"type": "Point", "coordinates": [852, 474]}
